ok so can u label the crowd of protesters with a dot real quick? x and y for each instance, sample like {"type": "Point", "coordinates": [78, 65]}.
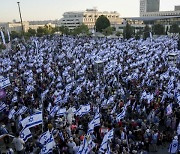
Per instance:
{"type": "Point", "coordinates": [111, 75]}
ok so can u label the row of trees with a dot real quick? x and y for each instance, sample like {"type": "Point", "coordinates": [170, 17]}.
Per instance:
{"type": "Point", "coordinates": [156, 29]}
{"type": "Point", "coordinates": [102, 25]}
{"type": "Point", "coordinates": [48, 30]}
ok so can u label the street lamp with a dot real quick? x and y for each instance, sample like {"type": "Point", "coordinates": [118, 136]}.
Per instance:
{"type": "Point", "coordinates": [20, 18]}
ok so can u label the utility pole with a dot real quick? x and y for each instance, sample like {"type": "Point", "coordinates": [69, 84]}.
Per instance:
{"type": "Point", "coordinates": [95, 9]}
{"type": "Point", "coordinates": [20, 18]}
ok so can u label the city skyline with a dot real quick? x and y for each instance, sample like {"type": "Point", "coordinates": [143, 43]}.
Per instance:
{"type": "Point", "coordinates": [53, 10]}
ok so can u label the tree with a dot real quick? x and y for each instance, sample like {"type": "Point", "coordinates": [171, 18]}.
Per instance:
{"type": "Point", "coordinates": [174, 28]}
{"type": "Point", "coordinates": [118, 33]}
{"type": "Point", "coordinates": [146, 32]}
{"type": "Point", "coordinates": [158, 29]}
{"type": "Point", "coordinates": [128, 31]}
{"type": "Point", "coordinates": [40, 31]}
{"type": "Point", "coordinates": [64, 30]}
{"type": "Point", "coordinates": [82, 29]}
{"type": "Point", "coordinates": [15, 34]}
{"type": "Point", "coordinates": [108, 31]}
{"type": "Point", "coordinates": [102, 23]}
{"type": "Point", "coordinates": [32, 32]}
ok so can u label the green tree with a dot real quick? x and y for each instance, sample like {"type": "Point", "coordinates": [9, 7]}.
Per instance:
{"type": "Point", "coordinates": [108, 31]}
{"type": "Point", "coordinates": [146, 31]}
{"type": "Point", "coordinates": [174, 28]}
{"type": "Point", "coordinates": [15, 34]}
{"type": "Point", "coordinates": [128, 31]}
{"type": "Point", "coordinates": [158, 29]}
{"type": "Point", "coordinates": [64, 30]}
{"type": "Point", "coordinates": [32, 32]}
{"type": "Point", "coordinates": [82, 29]}
{"type": "Point", "coordinates": [102, 23]}
{"type": "Point", "coordinates": [118, 33]}
{"type": "Point", "coordinates": [40, 31]}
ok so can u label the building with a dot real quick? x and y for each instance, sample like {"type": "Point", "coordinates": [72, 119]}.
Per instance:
{"type": "Point", "coordinates": [16, 26]}
{"type": "Point", "coordinates": [177, 8]}
{"type": "Point", "coordinates": [149, 6]}
{"type": "Point", "coordinates": [161, 13]}
{"type": "Point", "coordinates": [88, 17]}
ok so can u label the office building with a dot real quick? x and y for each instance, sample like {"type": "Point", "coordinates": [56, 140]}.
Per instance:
{"type": "Point", "coordinates": [149, 6]}
{"type": "Point", "coordinates": [88, 17]}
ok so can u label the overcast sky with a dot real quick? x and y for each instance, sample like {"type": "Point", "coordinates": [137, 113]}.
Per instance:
{"type": "Point", "coordinates": [53, 9]}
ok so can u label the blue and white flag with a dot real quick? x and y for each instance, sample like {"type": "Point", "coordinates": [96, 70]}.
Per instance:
{"type": "Point", "coordinates": [121, 115]}
{"type": "Point", "coordinates": [169, 109]}
{"type": "Point", "coordinates": [5, 82]}
{"type": "Point", "coordinates": [21, 110]}
{"type": "Point", "coordinates": [2, 106]}
{"type": "Point", "coordinates": [48, 147]}
{"type": "Point", "coordinates": [43, 139]}
{"type": "Point", "coordinates": [43, 95]}
{"type": "Point", "coordinates": [58, 100]}
{"type": "Point", "coordinates": [61, 136]}
{"type": "Point", "coordinates": [84, 109]}
{"type": "Point", "coordinates": [32, 120]}
{"type": "Point", "coordinates": [54, 111]}
{"type": "Point", "coordinates": [14, 99]}
{"type": "Point", "coordinates": [3, 38]}
{"type": "Point", "coordinates": [9, 38]}
{"type": "Point", "coordinates": [104, 145]}
{"type": "Point", "coordinates": [25, 134]}
{"type": "Point", "coordinates": [173, 148]}
{"type": "Point", "coordinates": [94, 123]}
{"type": "Point", "coordinates": [113, 110]}
{"type": "Point", "coordinates": [12, 112]}
{"type": "Point", "coordinates": [61, 112]}
{"type": "Point", "coordinates": [86, 146]}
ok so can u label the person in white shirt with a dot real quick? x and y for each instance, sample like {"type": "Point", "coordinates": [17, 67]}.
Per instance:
{"type": "Point", "coordinates": [18, 144]}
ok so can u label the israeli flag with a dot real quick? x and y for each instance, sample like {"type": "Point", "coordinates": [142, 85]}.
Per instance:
{"type": "Point", "coordinates": [48, 147]}
{"type": "Point", "coordinates": [9, 38]}
{"type": "Point", "coordinates": [21, 110]}
{"type": "Point", "coordinates": [113, 110]}
{"type": "Point", "coordinates": [61, 136]}
{"type": "Point", "coordinates": [94, 123]}
{"type": "Point", "coordinates": [3, 38]}
{"type": "Point", "coordinates": [178, 129]}
{"type": "Point", "coordinates": [169, 109]}
{"type": "Point", "coordinates": [12, 112]}
{"type": "Point", "coordinates": [54, 110]}
{"type": "Point", "coordinates": [2, 106]}
{"type": "Point", "coordinates": [121, 115]}
{"type": "Point", "coordinates": [32, 120]}
{"type": "Point", "coordinates": [43, 139]}
{"type": "Point", "coordinates": [84, 109]}
{"type": "Point", "coordinates": [86, 146]}
{"type": "Point", "coordinates": [15, 99]}
{"type": "Point", "coordinates": [106, 140]}
{"type": "Point", "coordinates": [58, 100]}
{"type": "Point", "coordinates": [61, 112]}
{"type": "Point", "coordinates": [25, 134]}
{"type": "Point", "coordinates": [5, 82]}
{"type": "Point", "coordinates": [173, 148]}
{"type": "Point", "coordinates": [43, 95]}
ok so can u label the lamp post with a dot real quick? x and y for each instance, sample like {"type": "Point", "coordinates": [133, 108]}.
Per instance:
{"type": "Point", "coordinates": [20, 18]}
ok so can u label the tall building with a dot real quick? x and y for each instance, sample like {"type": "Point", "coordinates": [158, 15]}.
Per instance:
{"type": "Point", "coordinates": [149, 6]}
{"type": "Point", "coordinates": [88, 17]}
{"type": "Point", "coordinates": [177, 8]}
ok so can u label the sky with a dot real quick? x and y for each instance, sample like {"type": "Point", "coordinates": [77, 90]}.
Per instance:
{"type": "Point", "coordinates": [33, 10]}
